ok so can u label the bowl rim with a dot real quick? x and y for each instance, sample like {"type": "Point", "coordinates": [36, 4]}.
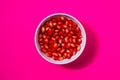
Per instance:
{"type": "Point", "coordinates": [62, 14]}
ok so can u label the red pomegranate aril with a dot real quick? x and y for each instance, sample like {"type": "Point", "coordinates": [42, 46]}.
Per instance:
{"type": "Point", "coordinates": [66, 39]}
{"type": "Point", "coordinates": [69, 35]}
{"type": "Point", "coordinates": [43, 29]}
{"type": "Point", "coordinates": [60, 40]}
{"type": "Point", "coordinates": [54, 23]}
{"type": "Point", "coordinates": [71, 32]}
{"type": "Point", "coordinates": [66, 30]}
{"type": "Point", "coordinates": [78, 47]}
{"type": "Point", "coordinates": [46, 40]}
{"type": "Point", "coordinates": [74, 40]}
{"type": "Point", "coordinates": [40, 35]}
{"type": "Point", "coordinates": [60, 33]}
{"type": "Point", "coordinates": [65, 55]}
{"type": "Point", "coordinates": [62, 50]}
{"type": "Point", "coordinates": [54, 54]}
{"type": "Point", "coordinates": [68, 51]}
{"type": "Point", "coordinates": [79, 41]}
{"type": "Point", "coordinates": [62, 18]}
{"type": "Point", "coordinates": [70, 39]}
{"type": "Point", "coordinates": [72, 45]}
{"type": "Point", "coordinates": [46, 46]}
{"type": "Point", "coordinates": [49, 54]}
{"type": "Point", "coordinates": [58, 49]}
{"type": "Point", "coordinates": [59, 23]}
{"type": "Point", "coordinates": [77, 30]}
{"type": "Point", "coordinates": [56, 37]}
{"type": "Point", "coordinates": [58, 27]}
{"type": "Point", "coordinates": [55, 45]}
{"type": "Point", "coordinates": [60, 58]}
{"type": "Point", "coordinates": [46, 28]}
{"type": "Point", "coordinates": [53, 38]}
{"type": "Point", "coordinates": [64, 26]}
{"type": "Point", "coordinates": [74, 36]}
{"type": "Point", "coordinates": [40, 40]}
{"type": "Point", "coordinates": [59, 54]}
{"type": "Point", "coordinates": [55, 34]}
{"type": "Point", "coordinates": [50, 24]}
{"type": "Point", "coordinates": [43, 50]}
{"type": "Point", "coordinates": [69, 56]}
{"type": "Point", "coordinates": [55, 58]}
{"type": "Point", "coordinates": [56, 30]}
{"type": "Point", "coordinates": [66, 22]}
{"type": "Point", "coordinates": [49, 31]}
{"type": "Point", "coordinates": [67, 45]}
{"type": "Point", "coordinates": [62, 44]}
{"type": "Point", "coordinates": [44, 36]}
{"type": "Point", "coordinates": [61, 37]}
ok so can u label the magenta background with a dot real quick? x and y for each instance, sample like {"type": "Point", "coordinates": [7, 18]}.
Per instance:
{"type": "Point", "coordinates": [19, 59]}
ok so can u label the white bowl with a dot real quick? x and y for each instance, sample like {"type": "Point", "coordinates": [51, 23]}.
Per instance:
{"type": "Point", "coordinates": [65, 61]}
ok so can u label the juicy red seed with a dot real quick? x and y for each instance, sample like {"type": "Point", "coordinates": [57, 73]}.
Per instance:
{"type": "Point", "coordinates": [79, 41]}
{"type": "Point", "coordinates": [43, 50]}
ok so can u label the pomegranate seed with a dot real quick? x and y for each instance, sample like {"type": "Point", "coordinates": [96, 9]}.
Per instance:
{"type": "Point", "coordinates": [74, 36]}
{"type": "Point", "coordinates": [54, 23]}
{"type": "Point", "coordinates": [43, 29]}
{"type": "Point", "coordinates": [65, 55]}
{"type": "Point", "coordinates": [66, 22]}
{"type": "Point", "coordinates": [68, 45]}
{"type": "Point", "coordinates": [45, 40]}
{"type": "Point", "coordinates": [66, 39]}
{"type": "Point", "coordinates": [70, 39]}
{"type": "Point", "coordinates": [62, 18]}
{"type": "Point", "coordinates": [71, 32]}
{"type": "Point", "coordinates": [66, 30]}
{"type": "Point", "coordinates": [79, 41]}
{"type": "Point", "coordinates": [49, 54]}
{"type": "Point", "coordinates": [59, 23]}
{"type": "Point", "coordinates": [56, 30]}
{"type": "Point", "coordinates": [50, 24]}
{"type": "Point", "coordinates": [40, 40]}
{"type": "Point", "coordinates": [61, 37]}
{"type": "Point", "coordinates": [40, 35]}
{"type": "Point", "coordinates": [55, 58]}
{"type": "Point", "coordinates": [68, 56]}
{"type": "Point", "coordinates": [67, 51]}
{"type": "Point", "coordinates": [60, 58]}
{"type": "Point", "coordinates": [46, 46]}
{"type": "Point", "coordinates": [55, 34]}
{"type": "Point", "coordinates": [43, 50]}
{"type": "Point", "coordinates": [72, 45]}
{"type": "Point", "coordinates": [53, 38]}
{"type": "Point", "coordinates": [55, 54]}
{"type": "Point", "coordinates": [60, 40]}
{"type": "Point", "coordinates": [59, 54]}
{"type": "Point", "coordinates": [74, 40]}
{"type": "Point", "coordinates": [55, 45]}
{"type": "Point", "coordinates": [58, 26]}
{"type": "Point", "coordinates": [64, 26]}
{"type": "Point", "coordinates": [47, 28]}
{"type": "Point", "coordinates": [44, 36]}
{"type": "Point", "coordinates": [58, 49]}
{"type": "Point", "coordinates": [57, 37]}
{"type": "Point", "coordinates": [62, 50]}
{"type": "Point", "coordinates": [78, 47]}
{"type": "Point", "coordinates": [62, 44]}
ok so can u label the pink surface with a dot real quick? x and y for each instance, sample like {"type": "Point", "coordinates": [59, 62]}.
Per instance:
{"type": "Point", "coordinates": [19, 59]}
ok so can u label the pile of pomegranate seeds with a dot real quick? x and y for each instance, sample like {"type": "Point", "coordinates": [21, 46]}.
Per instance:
{"type": "Point", "coordinates": [59, 38]}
